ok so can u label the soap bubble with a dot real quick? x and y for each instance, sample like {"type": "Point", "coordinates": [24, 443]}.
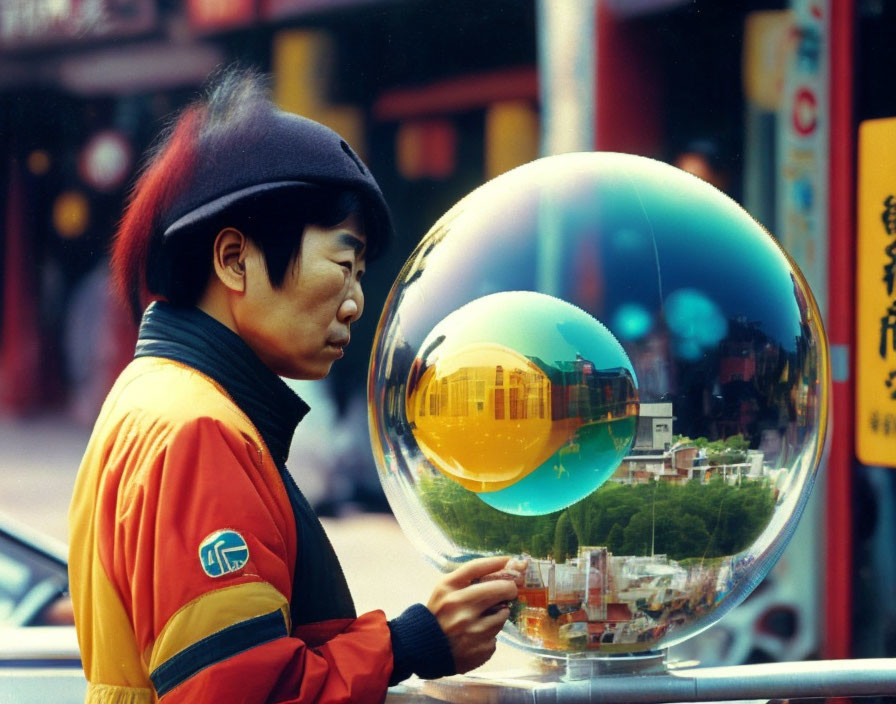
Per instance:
{"type": "Point", "coordinates": [524, 399]}
{"type": "Point", "coordinates": [690, 452]}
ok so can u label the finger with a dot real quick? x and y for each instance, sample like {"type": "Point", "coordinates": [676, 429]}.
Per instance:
{"type": "Point", "coordinates": [511, 575]}
{"type": "Point", "coordinates": [516, 565]}
{"type": "Point", "coordinates": [519, 564]}
{"type": "Point", "coordinates": [491, 624]}
{"type": "Point", "coordinates": [479, 597]}
{"type": "Point", "coordinates": [496, 608]}
{"type": "Point", "coordinates": [468, 605]}
{"type": "Point", "coordinates": [475, 569]}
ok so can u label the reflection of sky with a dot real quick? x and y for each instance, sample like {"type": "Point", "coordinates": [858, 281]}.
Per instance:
{"type": "Point", "coordinates": [534, 325]}
{"type": "Point", "coordinates": [651, 230]}
{"type": "Point", "coordinates": [490, 248]}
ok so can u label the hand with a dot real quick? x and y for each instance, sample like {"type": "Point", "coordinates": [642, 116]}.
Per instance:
{"type": "Point", "coordinates": [471, 605]}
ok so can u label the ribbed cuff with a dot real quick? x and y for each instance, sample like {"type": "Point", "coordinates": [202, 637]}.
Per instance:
{"type": "Point", "coordinates": [419, 646]}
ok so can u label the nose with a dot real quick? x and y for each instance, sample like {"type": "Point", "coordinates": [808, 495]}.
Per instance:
{"type": "Point", "coordinates": [351, 308]}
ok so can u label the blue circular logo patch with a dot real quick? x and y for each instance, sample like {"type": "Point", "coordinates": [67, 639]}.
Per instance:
{"type": "Point", "coordinates": [223, 552]}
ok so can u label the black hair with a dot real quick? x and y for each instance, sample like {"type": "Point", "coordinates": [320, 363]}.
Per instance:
{"type": "Point", "coordinates": [179, 268]}
{"type": "Point", "coordinates": [232, 159]}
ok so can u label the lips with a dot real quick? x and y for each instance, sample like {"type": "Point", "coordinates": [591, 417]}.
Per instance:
{"type": "Point", "coordinates": [338, 344]}
{"type": "Point", "coordinates": [338, 341]}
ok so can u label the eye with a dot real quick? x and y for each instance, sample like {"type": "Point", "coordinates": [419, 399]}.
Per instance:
{"type": "Point", "coordinates": [348, 266]}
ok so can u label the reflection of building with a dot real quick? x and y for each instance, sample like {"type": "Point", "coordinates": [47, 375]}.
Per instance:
{"type": "Point", "coordinates": [681, 463]}
{"type": "Point", "coordinates": [491, 382]}
{"type": "Point", "coordinates": [579, 389]}
{"type": "Point", "coordinates": [487, 383]}
{"type": "Point", "coordinates": [738, 362]}
{"type": "Point", "coordinates": [655, 457]}
{"type": "Point", "coordinates": [650, 455]}
{"type": "Point", "coordinates": [597, 600]}
{"type": "Point", "coordinates": [486, 416]}
{"type": "Point", "coordinates": [654, 432]}
{"type": "Point", "coordinates": [596, 582]}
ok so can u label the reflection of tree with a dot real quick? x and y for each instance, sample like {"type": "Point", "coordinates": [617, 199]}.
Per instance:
{"type": "Point", "coordinates": [692, 520]}
{"type": "Point", "coordinates": [667, 530]}
{"type": "Point", "coordinates": [565, 543]}
{"type": "Point", "coordinates": [729, 451]}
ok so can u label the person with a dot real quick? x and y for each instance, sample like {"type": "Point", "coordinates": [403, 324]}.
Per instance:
{"type": "Point", "coordinates": [198, 571]}
{"type": "Point", "coordinates": [704, 158]}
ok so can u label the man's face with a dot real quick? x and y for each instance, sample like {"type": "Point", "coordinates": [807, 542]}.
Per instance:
{"type": "Point", "coordinates": [301, 328]}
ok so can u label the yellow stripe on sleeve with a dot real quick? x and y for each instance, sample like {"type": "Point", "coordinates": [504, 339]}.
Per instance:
{"type": "Point", "coordinates": [213, 612]}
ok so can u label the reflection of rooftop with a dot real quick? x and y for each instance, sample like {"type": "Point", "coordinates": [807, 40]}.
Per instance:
{"type": "Point", "coordinates": [614, 599]}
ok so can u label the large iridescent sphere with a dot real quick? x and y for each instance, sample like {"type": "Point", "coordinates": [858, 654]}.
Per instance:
{"type": "Point", "coordinates": [605, 364]}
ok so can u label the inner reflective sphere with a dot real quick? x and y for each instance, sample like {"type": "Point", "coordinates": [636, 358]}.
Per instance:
{"type": "Point", "coordinates": [524, 399]}
{"type": "Point", "coordinates": [718, 436]}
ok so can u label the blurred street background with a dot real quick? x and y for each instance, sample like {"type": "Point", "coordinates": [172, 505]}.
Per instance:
{"type": "Point", "coordinates": [762, 98]}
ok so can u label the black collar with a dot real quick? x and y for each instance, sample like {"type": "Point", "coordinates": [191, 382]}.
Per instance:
{"type": "Point", "coordinates": [194, 338]}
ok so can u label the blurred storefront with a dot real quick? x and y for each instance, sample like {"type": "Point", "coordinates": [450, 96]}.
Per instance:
{"type": "Point", "coordinates": [761, 97]}
{"type": "Point", "coordinates": [86, 85]}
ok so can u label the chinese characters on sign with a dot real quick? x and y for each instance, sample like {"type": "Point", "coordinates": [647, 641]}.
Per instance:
{"type": "Point", "coordinates": [876, 294]}
{"type": "Point", "coordinates": [888, 330]}
{"type": "Point", "coordinates": [888, 321]}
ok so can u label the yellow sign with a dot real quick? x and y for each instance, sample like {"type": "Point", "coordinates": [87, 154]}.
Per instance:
{"type": "Point", "coordinates": [768, 46]}
{"type": "Point", "coordinates": [876, 294]}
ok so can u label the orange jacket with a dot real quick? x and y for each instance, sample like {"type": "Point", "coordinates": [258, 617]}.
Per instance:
{"type": "Point", "coordinates": [183, 546]}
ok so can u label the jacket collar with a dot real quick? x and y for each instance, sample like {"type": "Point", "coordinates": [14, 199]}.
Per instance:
{"type": "Point", "coordinates": [194, 338]}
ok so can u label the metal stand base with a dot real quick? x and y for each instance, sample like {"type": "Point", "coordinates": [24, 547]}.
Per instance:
{"type": "Point", "coordinates": [644, 680]}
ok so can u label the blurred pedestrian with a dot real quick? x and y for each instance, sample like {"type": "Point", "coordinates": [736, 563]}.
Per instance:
{"type": "Point", "coordinates": [703, 157]}
{"type": "Point", "coordinates": [199, 572]}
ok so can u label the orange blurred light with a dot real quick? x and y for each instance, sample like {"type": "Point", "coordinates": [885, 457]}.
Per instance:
{"type": "Point", "coordinates": [71, 214]}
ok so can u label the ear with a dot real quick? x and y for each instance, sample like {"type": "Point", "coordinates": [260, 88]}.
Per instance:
{"type": "Point", "coordinates": [229, 258]}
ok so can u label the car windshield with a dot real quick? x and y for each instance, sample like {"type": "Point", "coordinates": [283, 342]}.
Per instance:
{"type": "Point", "coordinates": [31, 580]}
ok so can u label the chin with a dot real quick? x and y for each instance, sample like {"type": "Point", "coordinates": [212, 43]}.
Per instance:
{"type": "Point", "coordinates": [305, 374]}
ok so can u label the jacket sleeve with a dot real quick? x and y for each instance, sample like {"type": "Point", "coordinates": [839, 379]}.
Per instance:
{"type": "Point", "coordinates": [203, 557]}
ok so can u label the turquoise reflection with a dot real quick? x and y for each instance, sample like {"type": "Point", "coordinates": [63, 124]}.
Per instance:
{"type": "Point", "coordinates": [696, 322]}
{"type": "Point", "coordinates": [582, 465]}
{"type": "Point", "coordinates": [631, 321]}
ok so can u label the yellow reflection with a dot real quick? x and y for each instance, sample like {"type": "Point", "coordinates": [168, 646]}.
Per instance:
{"type": "Point", "coordinates": [483, 416]}
{"type": "Point", "coordinates": [486, 416]}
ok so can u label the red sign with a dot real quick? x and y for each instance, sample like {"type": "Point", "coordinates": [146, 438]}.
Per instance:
{"type": "Point", "coordinates": [214, 15]}
{"type": "Point", "coordinates": [36, 23]}
{"type": "Point", "coordinates": [805, 112]}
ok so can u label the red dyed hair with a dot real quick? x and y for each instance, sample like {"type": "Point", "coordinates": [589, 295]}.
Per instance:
{"type": "Point", "coordinates": [235, 108]}
{"type": "Point", "coordinates": [166, 173]}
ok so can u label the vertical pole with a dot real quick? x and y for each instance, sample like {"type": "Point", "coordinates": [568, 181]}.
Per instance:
{"type": "Point", "coordinates": [838, 567]}
{"type": "Point", "coordinates": [566, 72]}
